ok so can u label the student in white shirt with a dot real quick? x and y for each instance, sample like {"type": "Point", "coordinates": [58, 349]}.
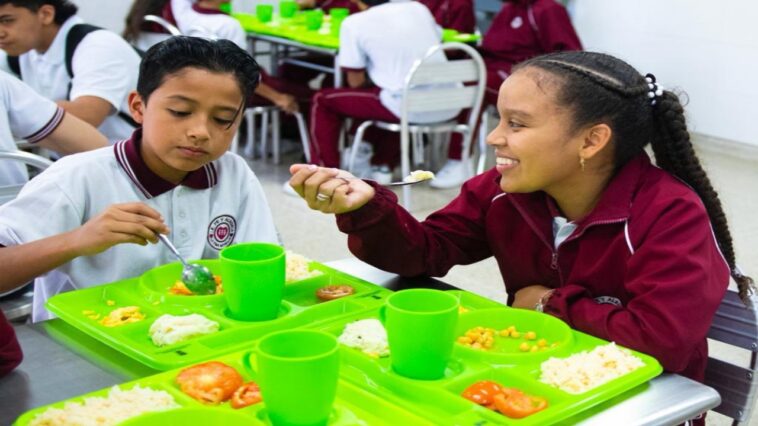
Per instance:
{"type": "Point", "coordinates": [24, 114]}
{"type": "Point", "coordinates": [203, 18]}
{"type": "Point", "coordinates": [103, 67]}
{"type": "Point", "coordinates": [68, 227]}
{"type": "Point", "coordinates": [376, 61]}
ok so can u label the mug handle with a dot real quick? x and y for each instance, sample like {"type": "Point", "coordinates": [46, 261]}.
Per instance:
{"type": "Point", "coordinates": [383, 314]}
{"type": "Point", "coordinates": [246, 359]}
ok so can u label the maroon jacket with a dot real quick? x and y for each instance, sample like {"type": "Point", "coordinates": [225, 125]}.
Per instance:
{"type": "Point", "coordinates": [527, 28]}
{"type": "Point", "coordinates": [453, 14]}
{"type": "Point", "coordinates": [10, 351]}
{"type": "Point", "coordinates": [327, 5]}
{"type": "Point", "coordinates": [642, 269]}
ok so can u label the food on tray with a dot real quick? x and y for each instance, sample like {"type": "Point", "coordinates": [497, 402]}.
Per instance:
{"type": "Point", "coordinates": [331, 292]}
{"type": "Point", "coordinates": [478, 338]}
{"type": "Point", "coordinates": [368, 336]}
{"type": "Point", "coordinates": [121, 316]}
{"type": "Point", "coordinates": [89, 313]}
{"type": "Point", "coordinates": [298, 268]}
{"type": "Point", "coordinates": [210, 382]}
{"type": "Point", "coordinates": [112, 409]}
{"type": "Point", "coordinates": [418, 176]}
{"type": "Point", "coordinates": [510, 402]}
{"type": "Point", "coordinates": [110, 302]}
{"type": "Point", "coordinates": [180, 289]}
{"type": "Point", "coordinates": [462, 310]}
{"type": "Point", "coordinates": [170, 329]}
{"type": "Point", "coordinates": [247, 394]}
{"type": "Point", "coordinates": [588, 369]}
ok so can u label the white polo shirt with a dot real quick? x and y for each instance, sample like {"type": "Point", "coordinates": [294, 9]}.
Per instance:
{"type": "Point", "coordinates": [199, 22]}
{"type": "Point", "coordinates": [104, 65]}
{"type": "Point", "coordinates": [24, 114]}
{"type": "Point", "coordinates": [386, 40]}
{"type": "Point", "coordinates": [217, 205]}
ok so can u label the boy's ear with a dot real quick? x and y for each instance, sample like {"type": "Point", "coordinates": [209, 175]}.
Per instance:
{"type": "Point", "coordinates": [136, 106]}
{"type": "Point", "coordinates": [46, 14]}
{"type": "Point", "coordinates": [596, 138]}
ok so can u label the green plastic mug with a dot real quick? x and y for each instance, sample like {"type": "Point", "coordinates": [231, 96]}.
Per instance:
{"type": "Point", "coordinates": [297, 373]}
{"type": "Point", "coordinates": [449, 34]}
{"type": "Point", "coordinates": [339, 12]}
{"type": "Point", "coordinates": [264, 12]}
{"type": "Point", "coordinates": [313, 19]}
{"type": "Point", "coordinates": [287, 8]}
{"type": "Point", "coordinates": [254, 276]}
{"type": "Point", "coordinates": [420, 327]}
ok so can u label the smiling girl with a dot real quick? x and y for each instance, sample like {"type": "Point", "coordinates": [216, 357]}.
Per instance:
{"type": "Point", "coordinates": [582, 225]}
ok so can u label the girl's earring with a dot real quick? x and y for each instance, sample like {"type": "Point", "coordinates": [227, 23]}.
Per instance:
{"type": "Point", "coordinates": [581, 162]}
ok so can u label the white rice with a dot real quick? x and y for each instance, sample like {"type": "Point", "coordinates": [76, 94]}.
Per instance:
{"type": "Point", "coordinates": [297, 268]}
{"type": "Point", "coordinates": [586, 370]}
{"type": "Point", "coordinates": [118, 406]}
{"type": "Point", "coordinates": [368, 335]}
{"type": "Point", "coordinates": [170, 329]}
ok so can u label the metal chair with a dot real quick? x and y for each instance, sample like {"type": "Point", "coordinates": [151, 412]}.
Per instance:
{"type": "Point", "coordinates": [271, 114]}
{"type": "Point", "coordinates": [735, 325]}
{"type": "Point", "coordinates": [168, 26]}
{"type": "Point", "coordinates": [9, 192]}
{"type": "Point", "coordinates": [428, 88]}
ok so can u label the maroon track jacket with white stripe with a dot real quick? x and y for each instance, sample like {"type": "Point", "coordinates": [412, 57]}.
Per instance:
{"type": "Point", "coordinates": [641, 269]}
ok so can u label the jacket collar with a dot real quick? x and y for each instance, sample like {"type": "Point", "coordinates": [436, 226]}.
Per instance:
{"type": "Point", "coordinates": [206, 11]}
{"type": "Point", "coordinates": [150, 184]}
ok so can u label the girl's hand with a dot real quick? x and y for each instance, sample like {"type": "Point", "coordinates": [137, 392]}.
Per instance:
{"type": "Point", "coordinates": [120, 223]}
{"type": "Point", "coordinates": [329, 190]}
{"type": "Point", "coordinates": [527, 297]}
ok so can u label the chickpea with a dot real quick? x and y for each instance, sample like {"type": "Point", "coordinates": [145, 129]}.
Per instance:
{"type": "Point", "coordinates": [524, 347]}
{"type": "Point", "coordinates": [530, 335]}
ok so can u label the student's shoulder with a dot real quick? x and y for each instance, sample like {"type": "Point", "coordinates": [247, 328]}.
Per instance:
{"type": "Point", "coordinates": [107, 42]}
{"type": "Point", "coordinates": [660, 194]}
{"type": "Point", "coordinates": [87, 163]}
{"type": "Point", "coordinates": [234, 168]}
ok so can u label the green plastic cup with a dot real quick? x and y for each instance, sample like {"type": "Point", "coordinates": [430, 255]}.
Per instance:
{"type": "Point", "coordinates": [287, 8]}
{"type": "Point", "coordinates": [420, 327]}
{"type": "Point", "coordinates": [264, 12]}
{"type": "Point", "coordinates": [313, 19]}
{"type": "Point", "coordinates": [339, 12]}
{"type": "Point", "coordinates": [225, 7]}
{"type": "Point", "coordinates": [253, 280]}
{"type": "Point", "coordinates": [449, 34]}
{"type": "Point", "coordinates": [297, 373]}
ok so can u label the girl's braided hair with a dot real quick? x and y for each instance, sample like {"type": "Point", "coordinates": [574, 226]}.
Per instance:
{"type": "Point", "coordinates": [601, 87]}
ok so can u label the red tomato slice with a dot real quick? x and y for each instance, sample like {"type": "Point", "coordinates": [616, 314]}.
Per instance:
{"type": "Point", "coordinates": [247, 394]}
{"type": "Point", "coordinates": [517, 405]}
{"type": "Point", "coordinates": [482, 392]}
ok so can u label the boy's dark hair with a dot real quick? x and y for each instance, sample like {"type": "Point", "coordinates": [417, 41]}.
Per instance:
{"type": "Point", "coordinates": [135, 17]}
{"type": "Point", "coordinates": [64, 9]}
{"type": "Point", "coordinates": [177, 53]}
{"type": "Point", "coordinates": [600, 88]}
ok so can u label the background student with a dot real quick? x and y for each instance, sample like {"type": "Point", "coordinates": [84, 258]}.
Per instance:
{"type": "Point", "coordinates": [67, 230]}
{"type": "Point", "coordinates": [24, 114]}
{"type": "Point", "coordinates": [582, 225]}
{"type": "Point", "coordinates": [376, 62]}
{"type": "Point", "coordinates": [453, 14]}
{"type": "Point", "coordinates": [91, 84]}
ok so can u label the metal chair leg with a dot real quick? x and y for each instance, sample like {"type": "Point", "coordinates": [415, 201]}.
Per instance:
{"type": "Point", "coordinates": [264, 135]}
{"type": "Point", "coordinates": [250, 123]}
{"type": "Point", "coordinates": [304, 136]}
{"type": "Point", "coordinates": [483, 129]}
{"type": "Point", "coordinates": [275, 136]}
{"type": "Point", "coordinates": [357, 142]}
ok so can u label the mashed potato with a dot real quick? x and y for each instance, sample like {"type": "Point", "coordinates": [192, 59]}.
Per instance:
{"type": "Point", "coordinates": [586, 370]}
{"type": "Point", "coordinates": [297, 268]}
{"type": "Point", "coordinates": [118, 406]}
{"type": "Point", "coordinates": [418, 176]}
{"type": "Point", "coordinates": [170, 329]}
{"type": "Point", "coordinates": [368, 335]}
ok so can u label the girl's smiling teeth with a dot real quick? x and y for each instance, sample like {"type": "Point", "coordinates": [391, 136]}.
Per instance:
{"type": "Point", "coordinates": [505, 163]}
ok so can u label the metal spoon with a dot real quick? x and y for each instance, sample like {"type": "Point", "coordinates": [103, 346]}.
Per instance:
{"type": "Point", "coordinates": [197, 278]}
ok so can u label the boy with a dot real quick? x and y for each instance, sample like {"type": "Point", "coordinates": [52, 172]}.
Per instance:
{"type": "Point", "coordinates": [92, 84]}
{"type": "Point", "coordinates": [370, 53]}
{"type": "Point", "coordinates": [173, 174]}
{"type": "Point", "coordinates": [24, 114]}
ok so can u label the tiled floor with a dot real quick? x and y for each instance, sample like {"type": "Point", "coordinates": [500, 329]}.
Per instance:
{"type": "Point", "coordinates": [732, 169]}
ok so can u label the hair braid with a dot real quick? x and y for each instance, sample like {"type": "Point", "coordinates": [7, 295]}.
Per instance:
{"type": "Point", "coordinates": [674, 152]}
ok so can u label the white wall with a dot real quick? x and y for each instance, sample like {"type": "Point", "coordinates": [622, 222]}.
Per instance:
{"type": "Point", "coordinates": [708, 49]}
{"type": "Point", "coordinates": [108, 14]}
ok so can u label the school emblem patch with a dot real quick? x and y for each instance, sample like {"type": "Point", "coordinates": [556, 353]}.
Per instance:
{"type": "Point", "coordinates": [221, 231]}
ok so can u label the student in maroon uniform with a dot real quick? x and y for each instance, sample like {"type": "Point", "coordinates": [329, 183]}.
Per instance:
{"type": "Point", "coordinates": [580, 222]}
{"type": "Point", "coordinates": [453, 14]}
{"type": "Point", "coordinates": [10, 351]}
{"type": "Point", "coordinates": [521, 30]}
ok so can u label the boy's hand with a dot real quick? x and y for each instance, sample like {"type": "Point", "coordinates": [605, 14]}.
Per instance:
{"type": "Point", "coordinates": [329, 190]}
{"type": "Point", "coordinates": [121, 223]}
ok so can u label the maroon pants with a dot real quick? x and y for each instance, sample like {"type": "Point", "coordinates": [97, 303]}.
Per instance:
{"type": "Point", "coordinates": [330, 107]}
{"type": "Point", "coordinates": [301, 92]}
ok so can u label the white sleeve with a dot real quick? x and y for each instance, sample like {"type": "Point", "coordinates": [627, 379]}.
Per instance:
{"type": "Point", "coordinates": [30, 115]}
{"type": "Point", "coordinates": [42, 209]}
{"type": "Point", "coordinates": [104, 66]}
{"type": "Point", "coordinates": [351, 55]}
{"type": "Point", "coordinates": [4, 62]}
{"type": "Point", "coordinates": [232, 30]}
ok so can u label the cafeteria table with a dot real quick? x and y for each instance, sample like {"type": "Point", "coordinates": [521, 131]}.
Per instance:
{"type": "Point", "coordinates": [61, 363]}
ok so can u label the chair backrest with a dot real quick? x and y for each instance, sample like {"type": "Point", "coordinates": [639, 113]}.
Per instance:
{"type": "Point", "coordinates": [168, 26]}
{"type": "Point", "coordinates": [735, 325]}
{"type": "Point", "coordinates": [9, 192]}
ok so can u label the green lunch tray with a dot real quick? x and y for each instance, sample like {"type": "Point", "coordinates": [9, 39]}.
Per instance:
{"type": "Point", "coordinates": [300, 308]}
